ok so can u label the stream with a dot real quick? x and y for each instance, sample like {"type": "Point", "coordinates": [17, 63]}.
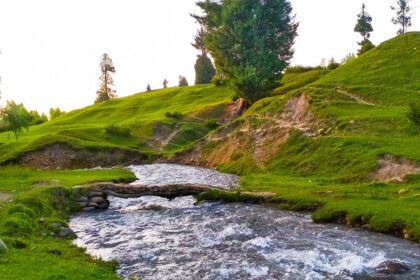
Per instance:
{"type": "Point", "coordinates": [154, 238]}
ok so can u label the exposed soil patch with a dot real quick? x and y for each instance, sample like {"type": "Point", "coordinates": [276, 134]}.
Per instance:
{"type": "Point", "coordinates": [393, 169]}
{"type": "Point", "coordinates": [258, 137]}
{"type": "Point", "coordinates": [63, 156]}
{"type": "Point", "coordinates": [4, 198]}
{"type": "Point", "coordinates": [355, 97]}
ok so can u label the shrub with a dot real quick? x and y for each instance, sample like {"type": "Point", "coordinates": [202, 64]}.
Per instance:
{"type": "Point", "coordinates": [114, 129]}
{"type": "Point", "coordinates": [414, 114]}
{"type": "Point", "coordinates": [175, 115]}
{"type": "Point", "coordinates": [212, 124]}
{"type": "Point", "coordinates": [302, 69]}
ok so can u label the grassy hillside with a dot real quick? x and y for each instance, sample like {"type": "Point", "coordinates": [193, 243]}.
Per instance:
{"type": "Point", "coordinates": [139, 123]}
{"type": "Point", "coordinates": [322, 144]}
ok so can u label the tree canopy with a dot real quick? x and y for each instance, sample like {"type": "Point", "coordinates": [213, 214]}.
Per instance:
{"type": "Point", "coordinates": [250, 41]}
{"type": "Point", "coordinates": [16, 118]}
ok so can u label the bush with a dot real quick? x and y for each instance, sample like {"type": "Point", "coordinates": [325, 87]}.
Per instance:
{"type": "Point", "coordinates": [175, 115]}
{"type": "Point", "coordinates": [114, 129]}
{"type": "Point", "coordinates": [219, 80]}
{"type": "Point", "coordinates": [414, 114]}
{"type": "Point", "coordinates": [212, 124]}
{"type": "Point", "coordinates": [365, 46]}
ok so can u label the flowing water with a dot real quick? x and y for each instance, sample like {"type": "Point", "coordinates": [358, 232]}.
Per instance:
{"type": "Point", "coordinates": [177, 240]}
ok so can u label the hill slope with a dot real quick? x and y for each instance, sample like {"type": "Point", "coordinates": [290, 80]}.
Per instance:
{"type": "Point", "coordinates": [135, 124]}
{"type": "Point", "coordinates": [343, 142]}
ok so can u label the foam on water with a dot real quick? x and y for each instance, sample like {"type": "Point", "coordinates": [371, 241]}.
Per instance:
{"type": "Point", "coordinates": [231, 241]}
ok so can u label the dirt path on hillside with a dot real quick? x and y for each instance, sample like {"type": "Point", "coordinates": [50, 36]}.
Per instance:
{"type": "Point", "coordinates": [355, 97]}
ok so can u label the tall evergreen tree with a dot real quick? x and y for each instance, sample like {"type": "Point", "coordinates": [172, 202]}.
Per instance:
{"type": "Point", "coordinates": [204, 69]}
{"type": "Point", "coordinates": [364, 27]}
{"type": "Point", "coordinates": [105, 92]}
{"type": "Point", "coordinates": [165, 83]}
{"type": "Point", "coordinates": [364, 23]}
{"type": "Point", "coordinates": [403, 17]}
{"type": "Point", "coordinates": [250, 40]}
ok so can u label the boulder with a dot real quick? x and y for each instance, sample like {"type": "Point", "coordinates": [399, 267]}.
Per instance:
{"type": "Point", "coordinates": [97, 200]}
{"type": "Point", "coordinates": [392, 267]}
{"type": "Point", "coordinates": [89, 209]}
{"type": "Point", "coordinates": [95, 194]}
{"type": "Point", "coordinates": [104, 205]}
{"type": "Point", "coordinates": [66, 232]}
{"type": "Point", "coordinates": [93, 205]}
{"type": "Point", "coordinates": [81, 199]}
{"type": "Point", "coordinates": [3, 247]}
{"type": "Point", "coordinates": [82, 204]}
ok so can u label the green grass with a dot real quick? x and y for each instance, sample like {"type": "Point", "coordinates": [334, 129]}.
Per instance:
{"type": "Point", "coordinates": [136, 116]}
{"type": "Point", "coordinates": [332, 172]}
{"type": "Point", "coordinates": [41, 198]}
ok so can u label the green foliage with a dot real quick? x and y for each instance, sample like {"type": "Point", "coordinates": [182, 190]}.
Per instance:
{"type": "Point", "coordinates": [55, 113]}
{"type": "Point", "coordinates": [403, 16]}
{"type": "Point", "coordinates": [332, 64]}
{"type": "Point", "coordinates": [212, 124]}
{"type": "Point", "coordinates": [365, 45]}
{"type": "Point", "coordinates": [105, 92]}
{"type": "Point", "coordinates": [114, 129]}
{"type": "Point", "coordinates": [36, 118]}
{"type": "Point", "coordinates": [348, 57]}
{"type": "Point", "coordinates": [364, 23]}
{"type": "Point", "coordinates": [16, 118]}
{"type": "Point", "coordinates": [174, 115]}
{"type": "Point", "coordinates": [414, 113]}
{"type": "Point", "coordinates": [219, 80]}
{"type": "Point", "coordinates": [182, 81]}
{"type": "Point", "coordinates": [25, 225]}
{"type": "Point", "coordinates": [250, 41]}
{"type": "Point", "coordinates": [204, 70]}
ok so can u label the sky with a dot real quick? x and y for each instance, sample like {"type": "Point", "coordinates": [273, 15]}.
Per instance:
{"type": "Point", "coordinates": [51, 50]}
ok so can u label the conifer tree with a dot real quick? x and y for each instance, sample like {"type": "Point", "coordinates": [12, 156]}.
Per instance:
{"type": "Point", "coordinates": [105, 92]}
{"type": "Point", "coordinates": [403, 17]}
{"type": "Point", "coordinates": [250, 41]}
{"type": "Point", "coordinates": [364, 27]}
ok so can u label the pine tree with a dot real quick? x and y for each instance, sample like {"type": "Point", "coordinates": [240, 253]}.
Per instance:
{"type": "Point", "coordinates": [105, 92]}
{"type": "Point", "coordinates": [364, 23]}
{"type": "Point", "coordinates": [148, 88]}
{"type": "Point", "coordinates": [250, 41]}
{"type": "Point", "coordinates": [364, 27]}
{"type": "Point", "coordinates": [204, 69]}
{"type": "Point", "coordinates": [403, 17]}
{"type": "Point", "coordinates": [165, 83]}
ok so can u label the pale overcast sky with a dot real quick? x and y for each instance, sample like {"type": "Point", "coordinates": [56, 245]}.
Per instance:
{"type": "Point", "coordinates": [51, 49]}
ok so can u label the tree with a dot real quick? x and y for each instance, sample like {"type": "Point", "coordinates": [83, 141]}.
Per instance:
{"type": "Point", "coordinates": [165, 83]}
{"type": "Point", "coordinates": [55, 113]}
{"type": "Point", "coordinates": [148, 88]}
{"type": "Point", "coordinates": [182, 81]}
{"type": "Point", "coordinates": [364, 23]}
{"type": "Point", "coordinates": [403, 17]}
{"type": "Point", "coordinates": [105, 92]}
{"type": "Point", "coordinates": [250, 41]}
{"type": "Point", "coordinates": [204, 69]}
{"type": "Point", "coordinates": [36, 118]}
{"type": "Point", "coordinates": [16, 118]}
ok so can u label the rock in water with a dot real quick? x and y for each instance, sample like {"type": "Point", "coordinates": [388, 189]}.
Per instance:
{"type": "Point", "coordinates": [66, 232]}
{"type": "Point", "coordinates": [392, 267]}
{"type": "Point", "coordinates": [3, 247]}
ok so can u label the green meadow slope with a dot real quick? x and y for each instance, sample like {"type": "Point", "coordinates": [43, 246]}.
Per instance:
{"type": "Point", "coordinates": [339, 145]}
{"type": "Point", "coordinates": [141, 124]}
